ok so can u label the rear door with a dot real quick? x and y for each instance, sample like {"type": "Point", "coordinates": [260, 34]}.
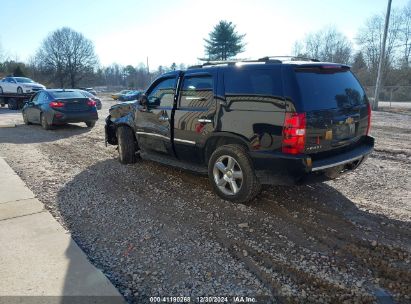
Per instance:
{"type": "Point", "coordinates": [32, 111]}
{"type": "Point", "coordinates": [194, 116]}
{"type": "Point", "coordinates": [335, 104]}
{"type": "Point", "coordinates": [8, 85]}
{"type": "Point", "coordinates": [153, 122]}
{"type": "Point", "coordinates": [38, 102]}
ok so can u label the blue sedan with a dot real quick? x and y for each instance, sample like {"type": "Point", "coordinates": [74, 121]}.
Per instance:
{"type": "Point", "coordinates": [59, 106]}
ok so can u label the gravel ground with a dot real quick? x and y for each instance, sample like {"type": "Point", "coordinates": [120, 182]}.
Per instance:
{"type": "Point", "coordinates": [159, 231]}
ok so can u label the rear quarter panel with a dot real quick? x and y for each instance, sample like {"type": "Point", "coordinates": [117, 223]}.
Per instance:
{"type": "Point", "coordinates": [256, 115]}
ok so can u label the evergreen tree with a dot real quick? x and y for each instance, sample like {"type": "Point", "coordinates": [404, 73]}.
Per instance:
{"type": "Point", "coordinates": [18, 72]}
{"type": "Point", "coordinates": [224, 42]}
{"type": "Point", "coordinates": [359, 62]}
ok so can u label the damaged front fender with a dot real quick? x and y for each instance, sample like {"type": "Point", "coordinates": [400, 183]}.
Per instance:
{"type": "Point", "coordinates": [120, 114]}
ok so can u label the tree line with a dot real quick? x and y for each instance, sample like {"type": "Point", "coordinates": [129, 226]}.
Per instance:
{"type": "Point", "coordinates": [67, 59]}
{"type": "Point", "coordinates": [330, 45]}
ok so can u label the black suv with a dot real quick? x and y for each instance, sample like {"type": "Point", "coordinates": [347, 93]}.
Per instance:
{"type": "Point", "coordinates": [249, 123]}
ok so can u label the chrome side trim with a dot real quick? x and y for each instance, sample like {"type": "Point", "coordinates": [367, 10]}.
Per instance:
{"type": "Point", "coordinates": [337, 164]}
{"type": "Point", "coordinates": [185, 141]}
{"type": "Point", "coordinates": [152, 134]}
{"type": "Point", "coordinates": [162, 136]}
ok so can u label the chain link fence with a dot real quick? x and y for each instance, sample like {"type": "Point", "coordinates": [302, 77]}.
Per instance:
{"type": "Point", "coordinates": [391, 93]}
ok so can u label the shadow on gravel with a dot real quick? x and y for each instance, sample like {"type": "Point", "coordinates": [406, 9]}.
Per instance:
{"type": "Point", "coordinates": [129, 219]}
{"type": "Point", "coordinates": [23, 134]}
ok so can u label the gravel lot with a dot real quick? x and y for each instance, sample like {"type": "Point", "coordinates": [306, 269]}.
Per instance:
{"type": "Point", "coordinates": [158, 231]}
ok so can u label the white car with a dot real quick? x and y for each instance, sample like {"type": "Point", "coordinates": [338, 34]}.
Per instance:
{"type": "Point", "coordinates": [19, 85]}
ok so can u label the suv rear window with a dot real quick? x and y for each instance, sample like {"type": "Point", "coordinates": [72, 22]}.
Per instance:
{"type": "Point", "coordinates": [329, 89]}
{"type": "Point", "coordinates": [66, 94]}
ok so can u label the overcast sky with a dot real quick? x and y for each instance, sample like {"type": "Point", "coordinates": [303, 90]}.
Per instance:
{"type": "Point", "coordinates": [127, 31]}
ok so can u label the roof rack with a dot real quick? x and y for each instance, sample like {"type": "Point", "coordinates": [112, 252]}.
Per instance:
{"type": "Point", "coordinates": [234, 62]}
{"type": "Point", "coordinates": [266, 59]}
{"type": "Point", "coordinates": [290, 58]}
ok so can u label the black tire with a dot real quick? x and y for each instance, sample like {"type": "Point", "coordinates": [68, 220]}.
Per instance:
{"type": "Point", "coordinates": [25, 119]}
{"type": "Point", "coordinates": [44, 123]}
{"type": "Point", "coordinates": [1, 90]}
{"type": "Point", "coordinates": [12, 104]}
{"type": "Point", "coordinates": [249, 187]}
{"type": "Point", "coordinates": [126, 145]}
{"type": "Point", "coordinates": [90, 124]}
{"type": "Point", "coordinates": [19, 90]}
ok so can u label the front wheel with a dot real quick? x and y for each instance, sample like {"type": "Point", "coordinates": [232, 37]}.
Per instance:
{"type": "Point", "coordinates": [19, 90]}
{"type": "Point", "coordinates": [126, 145]}
{"type": "Point", "coordinates": [232, 175]}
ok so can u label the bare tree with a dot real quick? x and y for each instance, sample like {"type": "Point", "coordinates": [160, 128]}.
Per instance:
{"type": "Point", "coordinates": [405, 33]}
{"type": "Point", "coordinates": [68, 55]}
{"type": "Point", "coordinates": [370, 36]}
{"type": "Point", "coordinates": [326, 45]}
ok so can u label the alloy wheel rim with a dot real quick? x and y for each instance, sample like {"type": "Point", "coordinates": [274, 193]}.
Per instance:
{"type": "Point", "coordinates": [228, 175]}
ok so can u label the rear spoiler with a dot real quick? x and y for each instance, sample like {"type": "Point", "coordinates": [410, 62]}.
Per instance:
{"type": "Point", "coordinates": [322, 68]}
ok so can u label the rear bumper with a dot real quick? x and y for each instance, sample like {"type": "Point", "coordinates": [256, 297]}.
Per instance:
{"type": "Point", "coordinates": [277, 168]}
{"type": "Point", "coordinates": [71, 117]}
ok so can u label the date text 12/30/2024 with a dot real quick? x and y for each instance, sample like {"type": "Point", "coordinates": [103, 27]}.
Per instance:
{"type": "Point", "coordinates": [234, 299]}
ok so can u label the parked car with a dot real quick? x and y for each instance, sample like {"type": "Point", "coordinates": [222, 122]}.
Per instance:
{"type": "Point", "coordinates": [93, 97]}
{"type": "Point", "coordinates": [59, 106]}
{"type": "Point", "coordinates": [244, 124]}
{"type": "Point", "coordinates": [90, 90]}
{"type": "Point", "coordinates": [116, 96]}
{"type": "Point", "coordinates": [19, 85]}
{"type": "Point", "coordinates": [132, 95]}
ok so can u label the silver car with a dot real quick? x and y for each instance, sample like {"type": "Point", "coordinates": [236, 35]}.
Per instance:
{"type": "Point", "coordinates": [19, 85]}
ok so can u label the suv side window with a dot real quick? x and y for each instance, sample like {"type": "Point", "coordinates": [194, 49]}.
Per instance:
{"type": "Point", "coordinates": [163, 93]}
{"type": "Point", "coordinates": [197, 92]}
{"type": "Point", "coordinates": [262, 82]}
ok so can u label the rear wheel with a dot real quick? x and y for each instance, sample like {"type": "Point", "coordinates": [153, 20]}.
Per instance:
{"type": "Point", "coordinates": [12, 104]}
{"type": "Point", "coordinates": [1, 90]}
{"type": "Point", "coordinates": [44, 123]}
{"type": "Point", "coordinates": [19, 90]}
{"type": "Point", "coordinates": [90, 124]}
{"type": "Point", "coordinates": [232, 175]}
{"type": "Point", "coordinates": [25, 119]}
{"type": "Point", "coordinates": [126, 145]}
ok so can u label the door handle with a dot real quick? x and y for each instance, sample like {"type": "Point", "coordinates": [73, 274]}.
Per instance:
{"type": "Point", "coordinates": [204, 120]}
{"type": "Point", "coordinates": [163, 118]}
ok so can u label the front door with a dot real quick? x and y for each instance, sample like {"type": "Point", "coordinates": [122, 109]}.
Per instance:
{"type": "Point", "coordinates": [154, 120]}
{"type": "Point", "coordinates": [194, 117]}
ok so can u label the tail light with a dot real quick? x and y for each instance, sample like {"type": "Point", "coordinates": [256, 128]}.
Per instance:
{"type": "Point", "coordinates": [294, 133]}
{"type": "Point", "coordinates": [369, 118]}
{"type": "Point", "coordinates": [56, 104]}
{"type": "Point", "coordinates": [91, 103]}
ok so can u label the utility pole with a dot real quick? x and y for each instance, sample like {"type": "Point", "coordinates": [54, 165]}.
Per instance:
{"type": "Point", "coordinates": [148, 69]}
{"type": "Point", "coordinates": [382, 57]}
